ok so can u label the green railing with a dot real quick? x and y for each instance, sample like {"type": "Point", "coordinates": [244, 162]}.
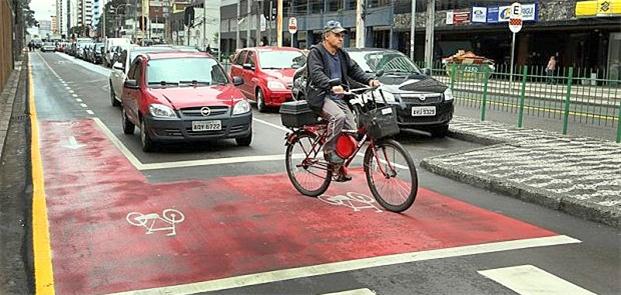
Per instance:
{"type": "Point", "coordinates": [568, 95]}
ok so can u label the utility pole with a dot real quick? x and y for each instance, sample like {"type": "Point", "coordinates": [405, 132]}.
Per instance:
{"type": "Point", "coordinates": [279, 24]}
{"type": "Point", "coordinates": [269, 24]}
{"type": "Point", "coordinates": [413, 30]}
{"type": "Point", "coordinates": [429, 32]}
{"type": "Point", "coordinates": [205, 24]}
{"type": "Point", "coordinates": [359, 24]}
{"type": "Point", "coordinates": [237, 40]}
{"type": "Point", "coordinates": [248, 21]}
{"type": "Point", "coordinates": [259, 9]}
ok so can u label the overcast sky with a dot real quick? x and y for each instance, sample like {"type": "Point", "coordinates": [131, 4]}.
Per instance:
{"type": "Point", "coordinates": [43, 9]}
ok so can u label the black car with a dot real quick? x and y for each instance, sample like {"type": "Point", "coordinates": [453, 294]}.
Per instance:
{"type": "Point", "coordinates": [421, 102]}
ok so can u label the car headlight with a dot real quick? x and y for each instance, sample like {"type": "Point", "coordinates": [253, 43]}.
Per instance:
{"type": "Point", "coordinates": [161, 111]}
{"type": "Point", "coordinates": [276, 85]}
{"type": "Point", "coordinates": [448, 94]}
{"type": "Point", "coordinates": [241, 107]}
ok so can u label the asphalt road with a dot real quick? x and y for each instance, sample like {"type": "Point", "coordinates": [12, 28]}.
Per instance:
{"type": "Point", "coordinates": [247, 231]}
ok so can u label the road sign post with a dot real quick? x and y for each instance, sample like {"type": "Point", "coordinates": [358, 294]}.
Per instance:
{"type": "Point", "coordinates": [515, 25]}
{"type": "Point", "coordinates": [293, 28]}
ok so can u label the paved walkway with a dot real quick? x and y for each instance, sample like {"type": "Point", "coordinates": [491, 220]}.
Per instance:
{"type": "Point", "coordinates": [577, 175]}
{"type": "Point", "coordinates": [7, 96]}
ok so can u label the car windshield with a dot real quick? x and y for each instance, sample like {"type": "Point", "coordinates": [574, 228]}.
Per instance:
{"type": "Point", "coordinates": [281, 59]}
{"type": "Point", "coordinates": [185, 71]}
{"type": "Point", "coordinates": [389, 61]}
{"type": "Point", "coordinates": [48, 44]}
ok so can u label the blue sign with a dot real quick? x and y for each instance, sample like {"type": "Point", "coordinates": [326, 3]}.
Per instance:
{"type": "Point", "coordinates": [492, 14]}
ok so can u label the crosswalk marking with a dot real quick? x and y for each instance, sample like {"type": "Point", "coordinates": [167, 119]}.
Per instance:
{"type": "Point", "coordinates": [528, 279]}
{"type": "Point", "coordinates": [364, 291]}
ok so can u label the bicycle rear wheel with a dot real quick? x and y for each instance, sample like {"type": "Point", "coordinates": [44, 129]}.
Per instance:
{"type": "Point", "coordinates": [391, 175]}
{"type": "Point", "coordinates": [308, 174]}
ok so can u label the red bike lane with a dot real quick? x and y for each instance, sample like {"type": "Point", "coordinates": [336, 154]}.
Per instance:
{"type": "Point", "coordinates": [113, 231]}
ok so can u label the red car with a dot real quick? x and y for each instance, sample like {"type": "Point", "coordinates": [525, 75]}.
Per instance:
{"type": "Point", "coordinates": [268, 73]}
{"type": "Point", "coordinates": [182, 97]}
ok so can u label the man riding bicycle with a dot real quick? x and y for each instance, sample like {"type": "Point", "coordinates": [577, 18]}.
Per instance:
{"type": "Point", "coordinates": [327, 61]}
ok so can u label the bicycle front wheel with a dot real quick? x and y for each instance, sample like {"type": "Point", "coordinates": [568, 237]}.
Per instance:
{"type": "Point", "coordinates": [391, 175]}
{"type": "Point", "coordinates": [309, 175]}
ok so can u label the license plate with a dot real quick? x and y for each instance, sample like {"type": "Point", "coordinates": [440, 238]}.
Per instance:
{"type": "Point", "coordinates": [206, 125]}
{"type": "Point", "coordinates": [423, 111]}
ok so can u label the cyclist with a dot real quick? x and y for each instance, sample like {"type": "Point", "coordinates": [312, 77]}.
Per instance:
{"type": "Point", "coordinates": [327, 61]}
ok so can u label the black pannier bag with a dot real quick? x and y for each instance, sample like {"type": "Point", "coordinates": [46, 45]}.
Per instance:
{"type": "Point", "coordinates": [380, 122]}
{"type": "Point", "coordinates": [296, 114]}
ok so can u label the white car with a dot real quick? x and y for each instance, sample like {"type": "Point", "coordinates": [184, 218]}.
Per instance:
{"type": "Point", "coordinates": [109, 44]}
{"type": "Point", "coordinates": [48, 46]}
{"type": "Point", "coordinates": [121, 65]}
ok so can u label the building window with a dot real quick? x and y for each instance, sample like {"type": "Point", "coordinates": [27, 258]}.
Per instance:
{"type": "Point", "coordinates": [350, 4]}
{"type": "Point", "coordinates": [377, 3]}
{"type": "Point", "coordinates": [335, 5]}
{"type": "Point", "coordinates": [300, 7]}
{"type": "Point", "coordinates": [316, 6]}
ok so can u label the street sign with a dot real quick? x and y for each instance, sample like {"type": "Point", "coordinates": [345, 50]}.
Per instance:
{"type": "Point", "coordinates": [515, 18]}
{"type": "Point", "coordinates": [293, 25]}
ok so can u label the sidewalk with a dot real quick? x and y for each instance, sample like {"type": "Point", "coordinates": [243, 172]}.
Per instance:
{"type": "Point", "coordinates": [577, 175]}
{"type": "Point", "coordinates": [7, 97]}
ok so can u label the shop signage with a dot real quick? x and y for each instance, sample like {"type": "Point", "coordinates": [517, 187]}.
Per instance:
{"type": "Point", "coordinates": [495, 14]}
{"type": "Point", "coordinates": [598, 8]}
{"type": "Point", "coordinates": [479, 14]}
{"type": "Point", "coordinates": [457, 17]}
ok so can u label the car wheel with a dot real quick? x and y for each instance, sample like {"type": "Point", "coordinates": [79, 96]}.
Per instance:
{"type": "Point", "coordinates": [244, 141]}
{"type": "Point", "coordinates": [128, 126]}
{"type": "Point", "coordinates": [145, 140]}
{"type": "Point", "coordinates": [440, 131]}
{"type": "Point", "coordinates": [113, 100]}
{"type": "Point", "coordinates": [261, 101]}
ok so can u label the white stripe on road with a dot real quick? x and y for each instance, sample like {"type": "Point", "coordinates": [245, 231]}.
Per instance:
{"type": "Point", "coordinates": [71, 91]}
{"type": "Point", "coordinates": [90, 112]}
{"type": "Point", "coordinates": [364, 291]}
{"type": "Point", "coordinates": [74, 95]}
{"type": "Point", "coordinates": [343, 266]}
{"type": "Point", "coordinates": [528, 279]}
{"type": "Point", "coordinates": [68, 88]}
{"type": "Point", "coordinates": [271, 124]}
{"type": "Point", "coordinates": [83, 105]}
{"type": "Point", "coordinates": [180, 164]}
{"type": "Point", "coordinates": [78, 100]}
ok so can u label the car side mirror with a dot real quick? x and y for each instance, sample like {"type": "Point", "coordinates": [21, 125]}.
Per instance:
{"type": "Point", "coordinates": [118, 66]}
{"type": "Point", "coordinates": [131, 84]}
{"type": "Point", "coordinates": [238, 81]}
{"type": "Point", "coordinates": [248, 67]}
{"type": "Point", "coordinates": [335, 82]}
{"type": "Point", "coordinates": [427, 71]}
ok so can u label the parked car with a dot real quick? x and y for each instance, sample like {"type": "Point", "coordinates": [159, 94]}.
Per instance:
{"type": "Point", "coordinates": [268, 73]}
{"type": "Point", "coordinates": [95, 53]}
{"type": "Point", "coordinates": [421, 101]}
{"type": "Point", "coordinates": [48, 46]}
{"type": "Point", "coordinates": [182, 97]}
{"type": "Point", "coordinates": [122, 63]}
{"type": "Point", "coordinates": [109, 45]}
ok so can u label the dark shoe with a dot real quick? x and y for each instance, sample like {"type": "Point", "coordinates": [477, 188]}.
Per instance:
{"type": "Point", "coordinates": [342, 175]}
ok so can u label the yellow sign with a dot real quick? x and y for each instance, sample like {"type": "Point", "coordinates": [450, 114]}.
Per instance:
{"type": "Point", "coordinates": [598, 8]}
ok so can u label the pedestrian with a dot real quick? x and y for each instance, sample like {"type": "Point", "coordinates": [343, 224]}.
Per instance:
{"type": "Point", "coordinates": [550, 69]}
{"type": "Point", "coordinates": [30, 45]}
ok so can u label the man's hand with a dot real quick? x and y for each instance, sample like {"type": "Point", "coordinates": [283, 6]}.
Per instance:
{"type": "Point", "coordinates": [374, 83]}
{"type": "Point", "coordinates": [338, 90]}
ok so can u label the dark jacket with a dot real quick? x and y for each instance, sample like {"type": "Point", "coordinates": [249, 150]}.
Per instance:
{"type": "Point", "coordinates": [318, 86]}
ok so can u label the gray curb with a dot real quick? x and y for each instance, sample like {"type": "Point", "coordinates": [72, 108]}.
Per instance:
{"type": "Point", "coordinates": [7, 97]}
{"type": "Point", "coordinates": [586, 210]}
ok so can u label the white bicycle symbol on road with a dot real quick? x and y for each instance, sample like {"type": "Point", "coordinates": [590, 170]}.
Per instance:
{"type": "Point", "coordinates": [169, 218]}
{"type": "Point", "coordinates": [351, 200]}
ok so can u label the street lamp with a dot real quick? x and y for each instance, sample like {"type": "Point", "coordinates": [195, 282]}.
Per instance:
{"type": "Point", "coordinates": [116, 9]}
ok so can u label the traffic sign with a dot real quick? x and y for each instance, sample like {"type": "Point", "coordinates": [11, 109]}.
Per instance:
{"type": "Point", "coordinates": [516, 10]}
{"type": "Point", "coordinates": [515, 17]}
{"type": "Point", "coordinates": [293, 25]}
{"type": "Point", "coordinates": [515, 25]}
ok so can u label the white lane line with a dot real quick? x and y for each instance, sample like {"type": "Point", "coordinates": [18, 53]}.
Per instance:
{"type": "Point", "coordinates": [219, 161]}
{"type": "Point", "coordinates": [71, 91]}
{"type": "Point", "coordinates": [74, 95]}
{"type": "Point", "coordinates": [90, 112]}
{"type": "Point", "coordinates": [528, 279]}
{"type": "Point", "coordinates": [271, 124]}
{"type": "Point", "coordinates": [78, 100]}
{"type": "Point", "coordinates": [68, 88]}
{"type": "Point", "coordinates": [364, 291]}
{"type": "Point", "coordinates": [83, 105]}
{"type": "Point", "coordinates": [119, 145]}
{"type": "Point", "coordinates": [336, 267]}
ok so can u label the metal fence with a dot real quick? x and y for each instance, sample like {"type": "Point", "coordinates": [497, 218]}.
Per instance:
{"type": "Point", "coordinates": [6, 42]}
{"type": "Point", "coordinates": [571, 95]}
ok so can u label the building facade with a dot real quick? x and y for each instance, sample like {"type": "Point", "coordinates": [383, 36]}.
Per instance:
{"type": "Point", "coordinates": [85, 12]}
{"type": "Point", "coordinates": [98, 6]}
{"type": "Point", "coordinates": [54, 24]}
{"type": "Point", "coordinates": [62, 17]}
{"type": "Point", "coordinates": [553, 28]}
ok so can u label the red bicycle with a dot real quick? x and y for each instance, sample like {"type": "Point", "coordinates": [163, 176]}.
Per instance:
{"type": "Point", "coordinates": [389, 168]}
